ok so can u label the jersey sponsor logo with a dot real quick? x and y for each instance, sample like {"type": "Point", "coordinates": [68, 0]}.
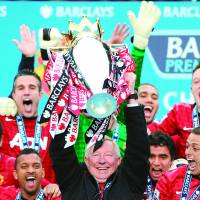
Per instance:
{"type": "Point", "coordinates": [17, 142]}
{"type": "Point", "coordinates": [179, 54]}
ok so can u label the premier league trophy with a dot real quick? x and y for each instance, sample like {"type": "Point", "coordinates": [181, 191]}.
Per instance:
{"type": "Point", "coordinates": [86, 75]}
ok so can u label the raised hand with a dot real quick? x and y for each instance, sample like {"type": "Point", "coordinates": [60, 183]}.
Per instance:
{"type": "Point", "coordinates": [52, 191]}
{"type": "Point", "coordinates": [120, 33]}
{"type": "Point", "coordinates": [147, 17]}
{"type": "Point", "coordinates": [27, 45]}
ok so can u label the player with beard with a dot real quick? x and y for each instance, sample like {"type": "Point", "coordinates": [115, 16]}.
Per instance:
{"type": "Point", "coordinates": [183, 182]}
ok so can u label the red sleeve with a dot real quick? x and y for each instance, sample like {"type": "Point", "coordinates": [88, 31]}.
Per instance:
{"type": "Point", "coordinates": [169, 124]}
{"type": "Point", "coordinates": [153, 127]}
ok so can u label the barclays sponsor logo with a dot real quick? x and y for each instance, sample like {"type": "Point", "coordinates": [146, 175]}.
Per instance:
{"type": "Point", "coordinates": [174, 55]}
{"type": "Point", "coordinates": [47, 11]}
{"type": "Point", "coordinates": [89, 11]}
{"type": "Point", "coordinates": [192, 11]}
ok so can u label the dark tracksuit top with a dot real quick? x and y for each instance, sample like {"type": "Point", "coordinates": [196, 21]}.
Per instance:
{"type": "Point", "coordinates": [127, 183]}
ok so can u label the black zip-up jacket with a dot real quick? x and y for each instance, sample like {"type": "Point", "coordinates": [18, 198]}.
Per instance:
{"type": "Point", "coordinates": [127, 183]}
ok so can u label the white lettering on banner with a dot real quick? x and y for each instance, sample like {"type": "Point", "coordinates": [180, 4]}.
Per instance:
{"type": "Point", "coordinates": [176, 97]}
{"type": "Point", "coordinates": [88, 11]}
{"type": "Point", "coordinates": [179, 56]}
{"type": "Point", "coordinates": [180, 66]}
{"type": "Point", "coordinates": [182, 11]}
{"type": "Point", "coordinates": [176, 50]}
{"type": "Point", "coordinates": [3, 11]}
{"type": "Point", "coordinates": [16, 141]}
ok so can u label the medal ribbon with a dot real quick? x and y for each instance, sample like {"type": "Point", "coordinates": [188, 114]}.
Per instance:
{"type": "Point", "coordinates": [195, 117]}
{"type": "Point", "coordinates": [186, 184]}
{"type": "Point", "coordinates": [149, 188]}
{"type": "Point", "coordinates": [195, 194]}
{"type": "Point", "coordinates": [23, 136]}
{"type": "Point", "coordinates": [186, 187]}
{"type": "Point", "coordinates": [40, 195]}
{"type": "Point", "coordinates": [115, 131]}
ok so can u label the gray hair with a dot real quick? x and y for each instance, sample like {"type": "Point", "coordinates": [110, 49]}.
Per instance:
{"type": "Point", "coordinates": [116, 147]}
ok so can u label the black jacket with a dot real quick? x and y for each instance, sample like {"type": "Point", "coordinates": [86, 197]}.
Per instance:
{"type": "Point", "coordinates": [127, 183]}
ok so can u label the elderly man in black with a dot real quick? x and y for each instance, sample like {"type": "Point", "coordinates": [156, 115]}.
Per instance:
{"type": "Point", "coordinates": [104, 175]}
